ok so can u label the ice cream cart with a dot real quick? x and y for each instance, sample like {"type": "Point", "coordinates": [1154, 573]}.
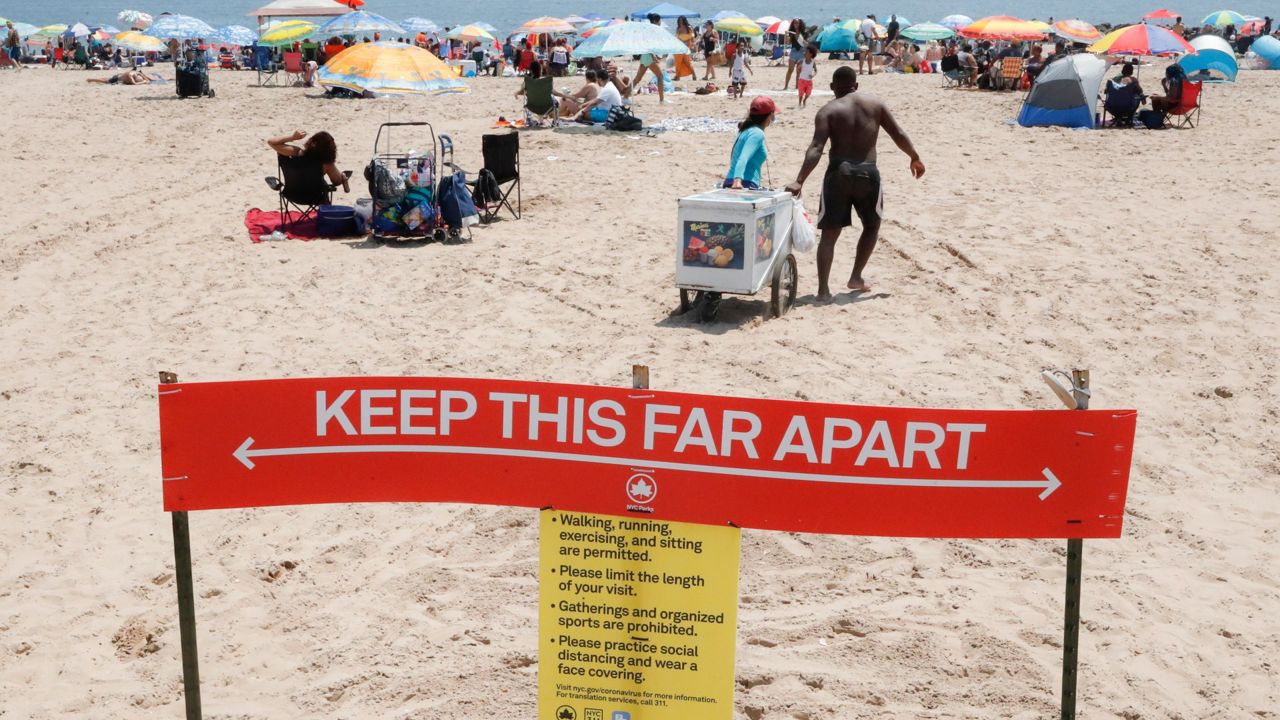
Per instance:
{"type": "Point", "coordinates": [734, 241]}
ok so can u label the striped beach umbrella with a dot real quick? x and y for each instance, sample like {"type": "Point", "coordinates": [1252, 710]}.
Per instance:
{"type": "Point", "coordinates": [955, 22]}
{"type": "Point", "coordinates": [632, 38]}
{"type": "Point", "coordinates": [599, 25]}
{"type": "Point", "coordinates": [390, 67]}
{"type": "Point", "coordinates": [739, 25]}
{"type": "Point", "coordinates": [768, 21]}
{"type": "Point", "coordinates": [547, 24]}
{"type": "Point", "coordinates": [135, 19]}
{"type": "Point", "coordinates": [138, 42]}
{"type": "Point", "coordinates": [1223, 18]}
{"type": "Point", "coordinates": [25, 30]}
{"type": "Point", "coordinates": [1003, 27]}
{"type": "Point", "coordinates": [419, 25]}
{"type": "Point", "coordinates": [287, 33]}
{"type": "Point", "coordinates": [1141, 39]}
{"type": "Point", "coordinates": [469, 33]}
{"type": "Point", "coordinates": [180, 27]}
{"type": "Point", "coordinates": [48, 32]}
{"type": "Point", "coordinates": [928, 31]}
{"type": "Point", "coordinates": [360, 21]}
{"type": "Point", "coordinates": [1076, 31]}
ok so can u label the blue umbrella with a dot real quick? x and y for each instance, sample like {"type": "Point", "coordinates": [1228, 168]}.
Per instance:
{"type": "Point", "coordinates": [632, 38]}
{"type": "Point", "coordinates": [180, 27]}
{"type": "Point", "coordinates": [664, 10]}
{"type": "Point", "coordinates": [839, 37]}
{"type": "Point", "coordinates": [419, 25]}
{"type": "Point", "coordinates": [359, 21]}
{"type": "Point", "coordinates": [235, 35]}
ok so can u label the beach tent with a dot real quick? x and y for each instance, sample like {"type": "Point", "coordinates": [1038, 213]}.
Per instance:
{"type": "Point", "coordinates": [664, 10]}
{"type": "Point", "coordinates": [1212, 55]}
{"type": "Point", "coordinates": [1264, 53]}
{"type": "Point", "coordinates": [839, 37]}
{"type": "Point", "coordinates": [1065, 93]}
{"type": "Point", "coordinates": [299, 8]}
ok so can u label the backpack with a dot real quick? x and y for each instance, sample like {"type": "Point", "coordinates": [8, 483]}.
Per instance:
{"type": "Point", "coordinates": [621, 119]}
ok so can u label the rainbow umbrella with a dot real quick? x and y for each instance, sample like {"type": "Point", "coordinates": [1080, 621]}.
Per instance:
{"type": "Point", "coordinates": [547, 24]}
{"type": "Point", "coordinates": [1141, 39]}
{"type": "Point", "coordinates": [136, 41]}
{"type": "Point", "coordinates": [1223, 18]}
{"type": "Point", "coordinates": [955, 22]}
{"type": "Point", "coordinates": [928, 31]}
{"type": "Point", "coordinates": [1003, 27]}
{"type": "Point", "coordinates": [1076, 31]}
{"type": "Point", "coordinates": [739, 25]}
{"type": "Point", "coordinates": [180, 27]}
{"type": "Point", "coordinates": [390, 67]}
{"type": "Point", "coordinates": [359, 21]}
{"type": "Point", "coordinates": [288, 33]}
{"type": "Point", "coordinates": [632, 38]}
{"type": "Point", "coordinates": [469, 33]}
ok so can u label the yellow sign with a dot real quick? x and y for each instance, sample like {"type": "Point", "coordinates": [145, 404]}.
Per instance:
{"type": "Point", "coordinates": [638, 619]}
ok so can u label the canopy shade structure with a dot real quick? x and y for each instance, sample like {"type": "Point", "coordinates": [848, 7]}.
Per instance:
{"type": "Point", "coordinates": [632, 38]}
{"type": "Point", "coordinates": [665, 10]}
{"type": "Point", "coordinates": [1214, 60]}
{"type": "Point", "coordinates": [300, 8]}
{"type": "Point", "coordinates": [390, 67]}
{"type": "Point", "coordinates": [1065, 93]}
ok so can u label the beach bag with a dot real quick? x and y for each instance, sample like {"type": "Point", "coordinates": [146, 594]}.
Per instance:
{"type": "Point", "coordinates": [384, 185]}
{"type": "Point", "coordinates": [457, 209]}
{"type": "Point", "coordinates": [802, 233]}
{"type": "Point", "coordinates": [1151, 119]}
{"type": "Point", "coordinates": [622, 120]}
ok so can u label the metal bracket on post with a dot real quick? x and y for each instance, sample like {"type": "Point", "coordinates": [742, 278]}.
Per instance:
{"type": "Point", "coordinates": [1075, 556]}
{"type": "Point", "coordinates": [640, 377]}
{"type": "Point", "coordinates": [186, 601]}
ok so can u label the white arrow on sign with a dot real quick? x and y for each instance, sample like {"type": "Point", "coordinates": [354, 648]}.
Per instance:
{"type": "Point", "coordinates": [245, 455]}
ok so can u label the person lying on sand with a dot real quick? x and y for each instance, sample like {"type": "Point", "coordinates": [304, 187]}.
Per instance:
{"type": "Point", "coordinates": [128, 77]}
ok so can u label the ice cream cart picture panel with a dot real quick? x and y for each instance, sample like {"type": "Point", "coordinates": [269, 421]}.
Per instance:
{"type": "Point", "coordinates": [714, 244]}
{"type": "Point", "coordinates": [764, 236]}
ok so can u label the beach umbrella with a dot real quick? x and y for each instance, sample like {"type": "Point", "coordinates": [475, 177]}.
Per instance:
{"type": "Point", "coordinates": [955, 22]}
{"type": "Point", "coordinates": [25, 30]}
{"type": "Point", "coordinates": [1251, 27]}
{"type": "Point", "coordinates": [1162, 14]}
{"type": "Point", "coordinates": [1076, 31]}
{"type": "Point", "coordinates": [469, 33]}
{"type": "Point", "coordinates": [235, 35]}
{"type": "Point", "coordinates": [1223, 18]}
{"type": "Point", "coordinates": [419, 25]}
{"type": "Point", "coordinates": [359, 21]}
{"type": "Point", "coordinates": [1003, 27]}
{"type": "Point", "coordinates": [768, 21]}
{"type": "Point", "coordinates": [135, 19]}
{"type": "Point", "coordinates": [548, 24]}
{"type": "Point", "coordinates": [1141, 39]}
{"type": "Point", "coordinates": [599, 25]}
{"type": "Point", "coordinates": [48, 32]}
{"type": "Point", "coordinates": [632, 38]}
{"type": "Point", "coordinates": [664, 10]}
{"type": "Point", "coordinates": [180, 27]}
{"type": "Point", "coordinates": [136, 41]}
{"type": "Point", "coordinates": [390, 67]}
{"type": "Point", "coordinates": [1212, 55]}
{"type": "Point", "coordinates": [928, 31]}
{"type": "Point", "coordinates": [288, 33]}
{"type": "Point", "coordinates": [776, 28]}
{"type": "Point", "coordinates": [726, 14]}
{"type": "Point", "coordinates": [485, 26]}
{"type": "Point", "coordinates": [739, 25]}
{"type": "Point", "coordinates": [577, 20]}
{"type": "Point", "coordinates": [109, 29]}
{"type": "Point", "coordinates": [839, 37]}
{"type": "Point", "coordinates": [78, 30]}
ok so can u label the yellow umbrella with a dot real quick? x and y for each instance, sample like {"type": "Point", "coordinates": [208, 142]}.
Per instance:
{"type": "Point", "coordinates": [469, 33]}
{"type": "Point", "coordinates": [48, 32]}
{"type": "Point", "coordinates": [547, 25]}
{"type": "Point", "coordinates": [390, 67]}
{"type": "Point", "coordinates": [287, 33]}
{"type": "Point", "coordinates": [134, 40]}
{"type": "Point", "coordinates": [739, 26]}
{"type": "Point", "coordinates": [1003, 27]}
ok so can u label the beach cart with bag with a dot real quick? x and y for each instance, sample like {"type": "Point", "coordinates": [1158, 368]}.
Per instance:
{"type": "Point", "coordinates": [736, 242]}
{"type": "Point", "coordinates": [403, 184]}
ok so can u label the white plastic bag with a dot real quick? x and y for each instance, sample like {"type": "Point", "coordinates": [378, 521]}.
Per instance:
{"type": "Point", "coordinates": [802, 235]}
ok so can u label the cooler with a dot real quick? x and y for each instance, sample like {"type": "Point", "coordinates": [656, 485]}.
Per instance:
{"type": "Point", "coordinates": [728, 240]}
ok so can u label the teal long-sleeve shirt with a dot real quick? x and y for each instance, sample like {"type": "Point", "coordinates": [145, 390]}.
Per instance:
{"type": "Point", "coordinates": [748, 157]}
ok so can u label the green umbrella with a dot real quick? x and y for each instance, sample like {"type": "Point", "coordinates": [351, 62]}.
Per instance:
{"type": "Point", "coordinates": [928, 31]}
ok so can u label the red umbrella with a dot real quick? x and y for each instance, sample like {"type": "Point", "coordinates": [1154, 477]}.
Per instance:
{"type": "Point", "coordinates": [1161, 14]}
{"type": "Point", "coordinates": [1253, 27]}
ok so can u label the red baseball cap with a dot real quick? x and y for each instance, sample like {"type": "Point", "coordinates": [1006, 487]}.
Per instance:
{"type": "Point", "coordinates": [763, 105]}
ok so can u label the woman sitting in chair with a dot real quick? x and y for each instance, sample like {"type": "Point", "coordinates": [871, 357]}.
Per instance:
{"type": "Point", "coordinates": [317, 158]}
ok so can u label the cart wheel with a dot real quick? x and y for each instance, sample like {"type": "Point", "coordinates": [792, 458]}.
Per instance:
{"type": "Point", "coordinates": [686, 302]}
{"type": "Point", "coordinates": [709, 303]}
{"type": "Point", "coordinates": [783, 292]}
{"type": "Point", "coordinates": [438, 235]}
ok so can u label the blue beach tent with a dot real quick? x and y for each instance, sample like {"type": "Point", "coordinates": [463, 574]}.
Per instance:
{"type": "Point", "coordinates": [1065, 93]}
{"type": "Point", "coordinates": [1213, 58]}
{"type": "Point", "coordinates": [664, 10]}
{"type": "Point", "coordinates": [1265, 52]}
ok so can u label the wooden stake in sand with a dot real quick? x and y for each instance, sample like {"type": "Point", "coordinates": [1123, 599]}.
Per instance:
{"type": "Point", "coordinates": [186, 600]}
{"type": "Point", "coordinates": [1075, 554]}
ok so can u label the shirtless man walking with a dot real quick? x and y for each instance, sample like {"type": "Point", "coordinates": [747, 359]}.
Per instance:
{"type": "Point", "coordinates": [852, 124]}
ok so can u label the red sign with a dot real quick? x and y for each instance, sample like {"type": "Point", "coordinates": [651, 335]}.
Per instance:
{"type": "Point", "coordinates": [774, 464]}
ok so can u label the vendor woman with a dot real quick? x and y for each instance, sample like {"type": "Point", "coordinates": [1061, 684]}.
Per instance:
{"type": "Point", "coordinates": [749, 152]}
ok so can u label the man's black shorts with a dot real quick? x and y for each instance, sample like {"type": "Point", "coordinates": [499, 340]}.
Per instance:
{"type": "Point", "coordinates": [848, 187]}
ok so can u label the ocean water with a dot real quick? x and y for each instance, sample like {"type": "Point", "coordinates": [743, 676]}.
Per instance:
{"type": "Point", "coordinates": [507, 14]}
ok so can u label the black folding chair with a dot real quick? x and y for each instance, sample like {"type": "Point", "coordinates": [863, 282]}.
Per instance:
{"type": "Point", "coordinates": [300, 187]}
{"type": "Point", "coordinates": [502, 159]}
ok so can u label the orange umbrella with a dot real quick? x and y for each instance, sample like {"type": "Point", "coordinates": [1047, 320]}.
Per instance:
{"type": "Point", "coordinates": [1003, 27]}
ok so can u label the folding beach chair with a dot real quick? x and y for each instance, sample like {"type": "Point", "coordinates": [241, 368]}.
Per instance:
{"type": "Point", "coordinates": [1187, 113]}
{"type": "Point", "coordinates": [501, 160]}
{"type": "Point", "coordinates": [7, 62]}
{"type": "Point", "coordinates": [265, 66]}
{"type": "Point", "coordinates": [1011, 69]}
{"type": "Point", "coordinates": [540, 105]}
{"type": "Point", "coordinates": [777, 56]}
{"type": "Point", "coordinates": [299, 189]}
{"type": "Point", "coordinates": [292, 67]}
{"type": "Point", "coordinates": [1120, 102]}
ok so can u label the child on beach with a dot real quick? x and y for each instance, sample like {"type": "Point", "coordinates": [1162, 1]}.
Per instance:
{"type": "Point", "coordinates": [741, 66]}
{"type": "Point", "coordinates": [804, 79]}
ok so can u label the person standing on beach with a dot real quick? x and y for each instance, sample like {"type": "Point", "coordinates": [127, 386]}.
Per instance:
{"type": "Point", "coordinates": [851, 123]}
{"type": "Point", "coordinates": [13, 44]}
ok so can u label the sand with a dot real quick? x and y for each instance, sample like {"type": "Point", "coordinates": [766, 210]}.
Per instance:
{"type": "Point", "coordinates": [1148, 257]}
